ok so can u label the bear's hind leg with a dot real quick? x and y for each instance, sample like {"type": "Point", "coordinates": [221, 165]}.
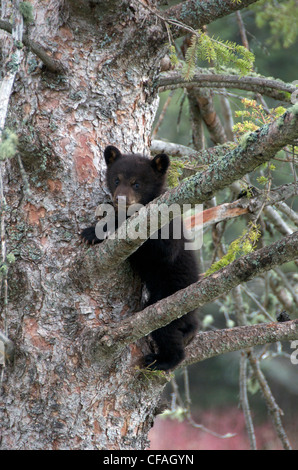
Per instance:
{"type": "Point", "coordinates": [170, 344]}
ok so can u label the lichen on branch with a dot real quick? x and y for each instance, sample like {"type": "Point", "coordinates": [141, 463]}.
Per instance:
{"type": "Point", "coordinates": [214, 343]}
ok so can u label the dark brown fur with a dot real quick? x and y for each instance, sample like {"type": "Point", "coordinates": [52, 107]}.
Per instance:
{"type": "Point", "coordinates": [163, 264]}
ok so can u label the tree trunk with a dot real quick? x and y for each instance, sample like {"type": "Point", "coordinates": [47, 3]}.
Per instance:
{"type": "Point", "coordinates": [84, 75]}
{"type": "Point", "coordinates": [55, 395]}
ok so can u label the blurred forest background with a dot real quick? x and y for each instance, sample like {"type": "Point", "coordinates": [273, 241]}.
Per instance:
{"type": "Point", "coordinates": [214, 383]}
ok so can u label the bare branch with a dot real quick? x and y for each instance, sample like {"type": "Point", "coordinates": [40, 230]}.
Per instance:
{"type": "Point", "coordinates": [244, 401]}
{"type": "Point", "coordinates": [215, 343]}
{"type": "Point", "coordinates": [203, 100]}
{"type": "Point", "coordinates": [277, 221]}
{"type": "Point", "coordinates": [273, 88]}
{"type": "Point", "coordinates": [282, 295]}
{"type": "Point", "coordinates": [177, 150]}
{"type": "Point", "coordinates": [196, 120]}
{"type": "Point", "coordinates": [273, 408]}
{"type": "Point", "coordinates": [227, 116]}
{"type": "Point", "coordinates": [162, 114]}
{"type": "Point", "coordinates": [242, 30]}
{"type": "Point", "coordinates": [241, 319]}
{"type": "Point", "coordinates": [285, 209]}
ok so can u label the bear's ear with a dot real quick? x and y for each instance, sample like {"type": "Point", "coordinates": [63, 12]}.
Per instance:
{"type": "Point", "coordinates": [160, 163]}
{"type": "Point", "coordinates": [111, 154]}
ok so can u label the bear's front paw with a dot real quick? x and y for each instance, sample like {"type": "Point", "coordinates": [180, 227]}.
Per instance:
{"type": "Point", "coordinates": [161, 362]}
{"type": "Point", "coordinates": [155, 362]}
{"type": "Point", "coordinates": [88, 236]}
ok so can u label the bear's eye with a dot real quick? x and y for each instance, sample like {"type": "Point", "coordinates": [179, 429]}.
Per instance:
{"type": "Point", "coordinates": [136, 185]}
{"type": "Point", "coordinates": [117, 181]}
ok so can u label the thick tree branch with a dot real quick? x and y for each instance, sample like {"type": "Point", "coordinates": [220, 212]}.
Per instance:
{"type": "Point", "coordinates": [273, 88]}
{"type": "Point", "coordinates": [215, 343]}
{"type": "Point", "coordinates": [258, 147]}
{"type": "Point", "coordinates": [52, 65]}
{"type": "Point", "coordinates": [204, 291]}
{"type": "Point", "coordinates": [196, 14]}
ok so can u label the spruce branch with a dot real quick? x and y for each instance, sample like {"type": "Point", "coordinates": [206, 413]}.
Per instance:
{"type": "Point", "coordinates": [216, 52]}
{"type": "Point", "coordinates": [187, 18]}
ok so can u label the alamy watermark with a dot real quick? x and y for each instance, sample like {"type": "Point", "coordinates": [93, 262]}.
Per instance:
{"type": "Point", "coordinates": [152, 217]}
{"type": "Point", "coordinates": [294, 355]}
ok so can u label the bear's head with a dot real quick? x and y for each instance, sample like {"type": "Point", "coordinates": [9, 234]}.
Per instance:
{"type": "Point", "coordinates": [137, 178]}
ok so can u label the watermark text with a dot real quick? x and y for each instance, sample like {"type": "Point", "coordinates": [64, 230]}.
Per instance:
{"type": "Point", "coordinates": [168, 218]}
{"type": "Point", "coordinates": [294, 355]}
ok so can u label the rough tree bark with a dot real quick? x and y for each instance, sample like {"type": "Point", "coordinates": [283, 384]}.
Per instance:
{"type": "Point", "coordinates": [54, 394]}
{"type": "Point", "coordinates": [53, 397]}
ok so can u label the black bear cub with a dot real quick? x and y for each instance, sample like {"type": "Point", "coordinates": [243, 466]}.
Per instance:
{"type": "Point", "coordinates": [163, 264]}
